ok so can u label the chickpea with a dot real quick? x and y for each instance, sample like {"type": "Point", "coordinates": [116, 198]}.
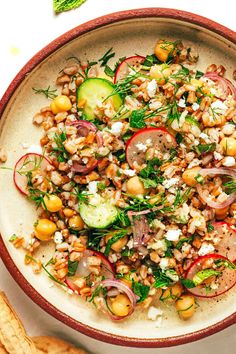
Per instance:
{"type": "Point", "coordinates": [229, 146]}
{"type": "Point", "coordinates": [44, 229]}
{"type": "Point", "coordinates": [160, 73]}
{"type": "Point", "coordinates": [135, 186]}
{"type": "Point", "coordinates": [221, 214]}
{"type": "Point", "coordinates": [76, 222]}
{"type": "Point", "coordinates": [189, 176]}
{"type": "Point", "coordinates": [61, 103]}
{"type": "Point", "coordinates": [120, 305]}
{"type": "Point", "coordinates": [163, 49]}
{"type": "Point", "coordinates": [68, 212]}
{"type": "Point", "coordinates": [118, 245]}
{"type": "Point", "coordinates": [185, 306]}
{"type": "Point", "coordinates": [172, 293]}
{"type": "Point", "coordinates": [52, 203]}
{"type": "Point", "coordinates": [233, 209]}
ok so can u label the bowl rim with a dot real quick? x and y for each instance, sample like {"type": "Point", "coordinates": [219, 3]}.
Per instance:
{"type": "Point", "coordinates": [89, 26]}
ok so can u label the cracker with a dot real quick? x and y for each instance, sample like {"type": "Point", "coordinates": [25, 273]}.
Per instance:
{"type": "Point", "coordinates": [12, 333]}
{"type": "Point", "coordinates": [53, 345]}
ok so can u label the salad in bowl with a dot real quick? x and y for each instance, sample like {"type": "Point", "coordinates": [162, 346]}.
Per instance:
{"type": "Point", "coordinates": [135, 182]}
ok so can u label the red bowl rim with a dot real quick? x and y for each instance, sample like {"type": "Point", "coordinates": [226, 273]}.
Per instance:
{"type": "Point", "coordinates": [14, 271]}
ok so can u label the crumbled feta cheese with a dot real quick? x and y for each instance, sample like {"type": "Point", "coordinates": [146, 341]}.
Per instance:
{"type": "Point", "coordinates": [130, 244]}
{"type": "Point", "coordinates": [116, 128]}
{"type": "Point", "coordinates": [206, 248]}
{"type": "Point", "coordinates": [204, 136]}
{"type": "Point", "coordinates": [182, 103]}
{"type": "Point", "coordinates": [93, 187]}
{"type": "Point", "coordinates": [218, 106]}
{"type": "Point", "coordinates": [182, 117]}
{"type": "Point", "coordinates": [172, 275]}
{"type": "Point", "coordinates": [170, 182]}
{"type": "Point", "coordinates": [214, 286]}
{"type": "Point", "coordinates": [141, 147]}
{"type": "Point", "coordinates": [129, 173]}
{"type": "Point", "coordinates": [153, 313]}
{"type": "Point", "coordinates": [195, 106]}
{"type": "Point", "coordinates": [217, 156]}
{"type": "Point", "coordinates": [58, 238]}
{"type": "Point", "coordinates": [228, 161]}
{"type": "Point", "coordinates": [35, 149]}
{"type": "Point", "coordinates": [194, 163]}
{"type": "Point", "coordinates": [152, 88]}
{"type": "Point", "coordinates": [158, 322]}
{"type": "Point", "coordinates": [154, 105]}
{"type": "Point", "coordinates": [164, 263]}
{"type": "Point", "coordinates": [173, 235]}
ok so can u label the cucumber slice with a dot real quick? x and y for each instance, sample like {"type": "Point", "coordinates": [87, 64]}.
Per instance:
{"type": "Point", "coordinates": [99, 216]}
{"type": "Point", "coordinates": [94, 90]}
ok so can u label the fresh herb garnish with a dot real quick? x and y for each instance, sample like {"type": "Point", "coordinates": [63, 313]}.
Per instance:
{"type": "Point", "coordinates": [140, 290]}
{"type": "Point", "coordinates": [204, 148]}
{"type": "Point", "coordinates": [179, 138]}
{"type": "Point", "coordinates": [106, 57]}
{"type": "Point", "coordinates": [181, 198]}
{"type": "Point", "coordinates": [202, 275]}
{"type": "Point", "coordinates": [161, 279]}
{"type": "Point", "coordinates": [183, 240]}
{"type": "Point", "coordinates": [188, 283]}
{"type": "Point", "coordinates": [108, 71]}
{"type": "Point", "coordinates": [48, 93]}
{"type": "Point", "coordinates": [66, 5]}
{"type": "Point", "coordinates": [210, 227]}
{"type": "Point", "coordinates": [230, 186]}
{"type": "Point", "coordinates": [13, 238]}
{"type": "Point", "coordinates": [198, 74]}
{"type": "Point", "coordinates": [59, 151]}
{"type": "Point", "coordinates": [116, 235]}
{"type": "Point", "coordinates": [72, 267]}
{"type": "Point", "coordinates": [137, 118]}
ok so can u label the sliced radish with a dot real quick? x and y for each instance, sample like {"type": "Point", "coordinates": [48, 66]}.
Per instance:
{"type": "Point", "coordinates": [158, 138]}
{"type": "Point", "coordinates": [107, 269]}
{"type": "Point", "coordinates": [27, 163]}
{"type": "Point", "coordinates": [227, 235]}
{"type": "Point", "coordinates": [224, 283]}
{"type": "Point", "coordinates": [124, 68]}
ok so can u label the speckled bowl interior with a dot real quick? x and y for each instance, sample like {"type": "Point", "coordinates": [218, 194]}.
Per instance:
{"type": "Point", "coordinates": [17, 215]}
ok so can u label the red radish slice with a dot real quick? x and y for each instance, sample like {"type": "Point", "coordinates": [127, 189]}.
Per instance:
{"type": "Point", "coordinates": [227, 235]}
{"type": "Point", "coordinates": [226, 281]}
{"type": "Point", "coordinates": [123, 69]}
{"type": "Point", "coordinates": [107, 268]}
{"type": "Point", "coordinates": [158, 138]}
{"type": "Point", "coordinates": [29, 162]}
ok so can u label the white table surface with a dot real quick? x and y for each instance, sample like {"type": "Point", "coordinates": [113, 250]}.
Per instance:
{"type": "Point", "coordinates": [28, 25]}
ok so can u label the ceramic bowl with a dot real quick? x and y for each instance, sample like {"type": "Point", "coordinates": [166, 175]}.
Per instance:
{"type": "Point", "coordinates": [129, 32]}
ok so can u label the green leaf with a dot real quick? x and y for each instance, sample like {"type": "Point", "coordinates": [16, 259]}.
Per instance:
{"type": "Point", "coordinates": [161, 279]}
{"type": "Point", "coordinates": [179, 138]}
{"type": "Point", "coordinates": [13, 238]}
{"type": "Point", "coordinates": [106, 57]}
{"type": "Point", "coordinates": [198, 74]}
{"type": "Point", "coordinates": [188, 283]}
{"type": "Point", "coordinates": [148, 183]}
{"type": "Point", "coordinates": [230, 186]}
{"type": "Point", "coordinates": [117, 236]}
{"type": "Point", "coordinates": [72, 267]}
{"type": "Point", "coordinates": [66, 5]}
{"type": "Point", "coordinates": [202, 275]}
{"type": "Point", "coordinates": [140, 290]}
{"type": "Point", "coordinates": [137, 119]}
{"type": "Point", "coordinates": [151, 169]}
{"type": "Point", "coordinates": [210, 227]}
{"type": "Point", "coordinates": [204, 148]}
{"type": "Point", "coordinates": [150, 60]}
{"type": "Point", "coordinates": [108, 71]}
{"type": "Point", "coordinates": [225, 263]}
{"type": "Point", "coordinates": [183, 240]}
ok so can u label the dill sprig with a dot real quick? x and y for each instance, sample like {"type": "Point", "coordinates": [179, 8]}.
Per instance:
{"type": "Point", "coordinates": [59, 151]}
{"type": "Point", "coordinates": [230, 186]}
{"type": "Point", "coordinates": [48, 92]}
{"type": "Point", "coordinates": [181, 198]}
{"type": "Point", "coordinates": [106, 57]}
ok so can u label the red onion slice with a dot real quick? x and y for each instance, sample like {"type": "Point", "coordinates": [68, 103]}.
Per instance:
{"type": "Point", "coordinates": [227, 87]}
{"type": "Point", "coordinates": [204, 195]}
{"type": "Point", "coordinates": [84, 169]}
{"type": "Point", "coordinates": [123, 288]}
{"type": "Point", "coordinates": [85, 124]}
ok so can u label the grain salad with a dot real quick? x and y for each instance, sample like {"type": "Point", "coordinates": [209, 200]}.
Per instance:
{"type": "Point", "coordinates": [135, 182]}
